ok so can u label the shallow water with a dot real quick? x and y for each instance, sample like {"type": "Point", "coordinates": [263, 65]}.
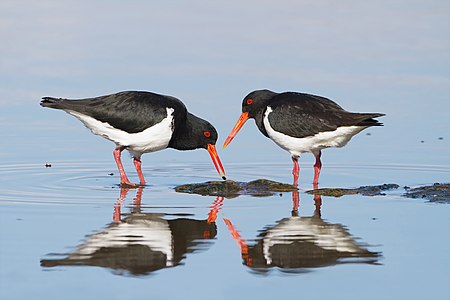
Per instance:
{"type": "Point", "coordinates": [68, 231]}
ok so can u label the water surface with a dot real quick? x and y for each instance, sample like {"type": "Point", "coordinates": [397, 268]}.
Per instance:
{"type": "Point", "coordinates": [70, 225]}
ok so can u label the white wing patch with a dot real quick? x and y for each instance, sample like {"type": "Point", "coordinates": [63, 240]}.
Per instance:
{"type": "Point", "coordinates": [151, 139]}
{"type": "Point", "coordinates": [315, 143]}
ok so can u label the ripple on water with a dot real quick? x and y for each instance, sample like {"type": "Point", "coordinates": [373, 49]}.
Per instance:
{"type": "Point", "coordinates": [65, 182]}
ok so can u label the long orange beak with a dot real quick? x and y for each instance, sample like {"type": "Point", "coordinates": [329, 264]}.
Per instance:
{"type": "Point", "coordinates": [216, 160]}
{"type": "Point", "coordinates": [242, 119]}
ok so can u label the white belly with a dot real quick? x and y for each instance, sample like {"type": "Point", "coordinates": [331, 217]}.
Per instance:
{"type": "Point", "coordinates": [151, 139]}
{"type": "Point", "coordinates": [315, 143]}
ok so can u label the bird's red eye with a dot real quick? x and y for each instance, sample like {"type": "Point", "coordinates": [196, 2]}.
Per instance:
{"type": "Point", "coordinates": [249, 101]}
{"type": "Point", "coordinates": [207, 133]}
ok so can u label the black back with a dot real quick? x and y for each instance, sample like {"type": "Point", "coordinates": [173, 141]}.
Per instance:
{"type": "Point", "coordinates": [131, 111]}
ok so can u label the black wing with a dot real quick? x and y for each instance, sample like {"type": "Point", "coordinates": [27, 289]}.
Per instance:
{"type": "Point", "coordinates": [129, 111]}
{"type": "Point", "coordinates": [302, 115]}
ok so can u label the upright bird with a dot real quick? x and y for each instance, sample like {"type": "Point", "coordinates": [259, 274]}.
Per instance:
{"type": "Point", "coordinates": [299, 122]}
{"type": "Point", "coordinates": [141, 122]}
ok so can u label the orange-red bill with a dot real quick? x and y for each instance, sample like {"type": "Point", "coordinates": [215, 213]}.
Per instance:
{"type": "Point", "coordinates": [242, 119]}
{"type": "Point", "coordinates": [216, 160]}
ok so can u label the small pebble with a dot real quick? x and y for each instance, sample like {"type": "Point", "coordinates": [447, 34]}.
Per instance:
{"type": "Point", "coordinates": [422, 142]}
{"type": "Point", "coordinates": [48, 165]}
{"type": "Point", "coordinates": [440, 138]}
{"type": "Point", "coordinates": [111, 174]}
{"type": "Point", "coordinates": [368, 133]}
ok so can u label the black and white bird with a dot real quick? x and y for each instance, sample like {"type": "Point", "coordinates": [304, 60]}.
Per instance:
{"type": "Point", "coordinates": [141, 122]}
{"type": "Point", "coordinates": [299, 123]}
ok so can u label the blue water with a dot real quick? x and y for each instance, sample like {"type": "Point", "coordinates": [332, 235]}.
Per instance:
{"type": "Point", "coordinates": [65, 230]}
{"type": "Point", "coordinates": [47, 213]}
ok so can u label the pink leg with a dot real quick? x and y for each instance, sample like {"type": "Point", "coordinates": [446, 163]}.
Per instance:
{"type": "Point", "coordinates": [137, 164]}
{"type": "Point", "coordinates": [295, 170]}
{"type": "Point", "coordinates": [317, 167]}
{"type": "Point", "coordinates": [124, 182]}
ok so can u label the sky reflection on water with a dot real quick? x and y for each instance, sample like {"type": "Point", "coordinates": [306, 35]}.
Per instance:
{"type": "Point", "coordinates": [389, 237]}
{"type": "Point", "coordinates": [383, 56]}
{"type": "Point", "coordinates": [138, 243]}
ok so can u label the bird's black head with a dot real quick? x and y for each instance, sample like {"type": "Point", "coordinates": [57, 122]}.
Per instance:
{"type": "Point", "coordinates": [197, 133]}
{"type": "Point", "coordinates": [194, 133]}
{"type": "Point", "coordinates": [253, 107]}
{"type": "Point", "coordinates": [256, 101]}
{"type": "Point", "coordinates": [203, 134]}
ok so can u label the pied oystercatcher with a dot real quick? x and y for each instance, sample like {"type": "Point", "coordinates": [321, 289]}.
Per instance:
{"type": "Point", "coordinates": [299, 122]}
{"type": "Point", "coordinates": [141, 122]}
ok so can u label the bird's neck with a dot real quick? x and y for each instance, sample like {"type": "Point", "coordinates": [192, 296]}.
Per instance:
{"type": "Point", "coordinates": [183, 137]}
{"type": "Point", "coordinates": [262, 99]}
{"type": "Point", "coordinates": [259, 120]}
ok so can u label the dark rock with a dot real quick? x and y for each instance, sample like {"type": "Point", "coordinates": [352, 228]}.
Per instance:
{"type": "Point", "coordinates": [372, 190]}
{"type": "Point", "coordinates": [230, 188]}
{"type": "Point", "coordinates": [438, 192]}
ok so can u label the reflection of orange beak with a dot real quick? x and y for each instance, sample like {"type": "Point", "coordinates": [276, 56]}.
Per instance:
{"type": "Point", "coordinates": [216, 161]}
{"type": "Point", "coordinates": [242, 119]}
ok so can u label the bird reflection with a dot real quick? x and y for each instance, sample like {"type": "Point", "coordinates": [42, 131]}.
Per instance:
{"type": "Point", "coordinates": [297, 244]}
{"type": "Point", "coordinates": [139, 243]}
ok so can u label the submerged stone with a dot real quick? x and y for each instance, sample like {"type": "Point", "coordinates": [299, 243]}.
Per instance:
{"type": "Point", "coordinates": [371, 190]}
{"type": "Point", "coordinates": [231, 188]}
{"type": "Point", "coordinates": [438, 192]}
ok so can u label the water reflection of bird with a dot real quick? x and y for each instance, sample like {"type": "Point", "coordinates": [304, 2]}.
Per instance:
{"type": "Point", "coordinates": [301, 123]}
{"type": "Point", "coordinates": [139, 243]}
{"type": "Point", "coordinates": [297, 244]}
{"type": "Point", "coordinates": [141, 122]}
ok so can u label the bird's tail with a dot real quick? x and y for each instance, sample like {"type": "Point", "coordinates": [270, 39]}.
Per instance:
{"type": "Point", "coordinates": [369, 119]}
{"type": "Point", "coordinates": [52, 102]}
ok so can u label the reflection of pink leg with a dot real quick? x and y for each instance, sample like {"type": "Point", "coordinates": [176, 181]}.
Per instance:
{"type": "Point", "coordinates": [121, 200]}
{"type": "Point", "coordinates": [119, 203]}
{"type": "Point", "coordinates": [317, 200]}
{"type": "Point", "coordinates": [317, 167]}
{"type": "Point", "coordinates": [124, 182]}
{"type": "Point", "coordinates": [137, 164]}
{"type": "Point", "coordinates": [295, 170]}
{"type": "Point", "coordinates": [295, 202]}
{"type": "Point", "coordinates": [138, 198]}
